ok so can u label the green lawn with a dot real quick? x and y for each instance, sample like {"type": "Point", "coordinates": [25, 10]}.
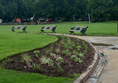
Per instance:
{"type": "Point", "coordinates": [94, 29]}
{"type": "Point", "coordinates": [14, 42]}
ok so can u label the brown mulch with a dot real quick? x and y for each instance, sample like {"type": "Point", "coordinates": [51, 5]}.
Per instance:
{"type": "Point", "coordinates": [69, 67]}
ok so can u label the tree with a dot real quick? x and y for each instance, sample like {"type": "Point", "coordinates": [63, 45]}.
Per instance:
{"type": "Point", "coordinates": [100, 10]}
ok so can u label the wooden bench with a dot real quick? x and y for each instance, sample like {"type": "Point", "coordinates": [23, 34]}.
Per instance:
{"type": "Point", "coordinates": [53, 28]}
{"type": "Point", "coordinates": [19, 28]}
{"type": "Point", "coordinates": [81, 29]}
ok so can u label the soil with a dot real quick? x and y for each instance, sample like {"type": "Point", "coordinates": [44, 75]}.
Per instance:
{"type": "Point", "coordinates": [67, 67]}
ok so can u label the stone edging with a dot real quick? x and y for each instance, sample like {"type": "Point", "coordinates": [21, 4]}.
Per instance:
{"type": "Point", "coordinates": [90, 69]}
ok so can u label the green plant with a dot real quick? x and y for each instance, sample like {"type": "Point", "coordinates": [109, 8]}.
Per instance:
{"type": "Point", "coordinates": [75, 52]}
{"type": "Point", "coordinates": [62, 42]}
{"type": "Point", "coordinates": [73, 57]}
{"type": "Point", "coordinates": [70, 65]}
{"type": "Point", "coordinates": [77, 39]}
{"type": "Point", "coordinates": [73, 44]}
{"type": "Point", "coordinates": [26, 56]}
{"type": "Point", "coordinates": [36, 52]}
{"type": "Point", "coordinates": [65, 46]}
{"type": "Point", "coordinates": [69, 47]}
{"type": "Point", "coordinates": [86, 47]}
{"type": "Point", "coordinates": [52, 54]}
{"type": "Point", "coordinates": [78, 47]}
{"type": "Point", "coordinates": [60, 70]}
{"type": "Point", "coordinates": [81, 55]}
{"type": "Point", "coordinates": [85, 51]}
{"type": "Point", "coordinates": [78, 43]}
{"type": "Point", "coordinates": [47, 60]}
{"type": "Point", "coordinates": [59, 59]}
{"type": "Point", "coordinates": [66, 51]}
{"type": "Point", "coordinates": [69, 41]}
{"type": "Point", "coordinates": [22, 61]}
{"type": "Point", "coordinates": [78, 60]}
{"type": "Point", "coordinates": [57, 50]}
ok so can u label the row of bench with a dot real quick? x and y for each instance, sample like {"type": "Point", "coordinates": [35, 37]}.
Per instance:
{"type": "Point", "coordinates": [81, 29]}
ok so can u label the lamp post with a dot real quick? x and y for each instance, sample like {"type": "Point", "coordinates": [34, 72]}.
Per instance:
{"type": "Point", "coordinates": [117, 27]}
{"type": "Point", "coordinates": [89, 18]}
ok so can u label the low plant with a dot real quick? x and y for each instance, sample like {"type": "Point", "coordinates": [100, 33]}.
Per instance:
{"type": "Point", "coordinates": [46, 60]}
{"type": "Point", "coordinates": [70, 65]}
{"type": "Point", "coordinates": [26, 56]}
{"type": "Point", "coordinates": [65, 46]}
{"type": "Point", "coordinates": [78, 60]}
{"type": "Point", "coordinates": [66, 51]}
{"type": "Point", "coordinates": [85, 51]}
{"type": "Point", "coordinates": [57, 50]}
{"type": "Point", "coordinates": [78, 48]}
{"type": "Point", "coordinates": [36, 53]}
{"type": "Point", "coordinates": [81, 55]}
{"type": "Point", "coordinates": [77, 39]}
{"type": "Point", "coordinates": [75, 52]}
{"type": "Point", "coordinates": [69, 41]}
{"type": "Point", "coordinates": [36, 66]}
{"type": "Point", "coordinates": [52, 54]}
{"type": "Point", "coordinates": [68, 54]}
{"type": "Point", "coordinates": [78, 43]}
{"type": "Point", "coordinates": [62, 42]}
{"type": "Point", "coordinates": [73, 44]}
{"type": "Point", "coordinates": [59, 59]}
{"type": "Point", "coordinates": [86, 47]}
{"type": "Point", "coordinates": [60, 70]}
{"type": "Point", "coordinates": [73, 57]}
{"type": "Point", "coordinates": [69, 47]}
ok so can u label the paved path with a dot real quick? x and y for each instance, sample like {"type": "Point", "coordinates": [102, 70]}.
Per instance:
{"type": "Point", "coordinates": [110, 72]}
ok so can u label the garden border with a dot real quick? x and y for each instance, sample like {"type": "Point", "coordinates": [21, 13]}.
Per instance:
{"type": "Point", "coordinates": [84, 76]}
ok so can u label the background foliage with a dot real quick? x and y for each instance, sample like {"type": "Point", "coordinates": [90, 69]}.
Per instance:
{"type": "Point", "coordinates": [100, 10]}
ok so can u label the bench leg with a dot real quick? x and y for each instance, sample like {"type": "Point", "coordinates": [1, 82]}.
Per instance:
{"type": "Point", "coordinates": [72, 32]}
{"type": "Point", "coordinates": [53, 31]}
{"type": "Point", "coordinates": [12, 30]}
{"type": "Point", "coordinates": [83, 33]}
{"type": "Point", "coordinates": [42, 31]}
{"type": "Point", "coordinates": [24, 31]}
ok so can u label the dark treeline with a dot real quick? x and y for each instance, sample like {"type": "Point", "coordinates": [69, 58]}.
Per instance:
{"type": "Point", "coordinates": [68, 10]}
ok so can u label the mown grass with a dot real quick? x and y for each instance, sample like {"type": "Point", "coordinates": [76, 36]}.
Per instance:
{"type": "Point", "coordinates": [15, 42]}
{"type": "Point", "coordinates": [10, 76]}
{"type": "Point", "coordinates": [95, 29]}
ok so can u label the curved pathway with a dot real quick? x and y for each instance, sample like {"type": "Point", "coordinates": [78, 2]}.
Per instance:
{"type": "Point", "coordinates": [110, 72]}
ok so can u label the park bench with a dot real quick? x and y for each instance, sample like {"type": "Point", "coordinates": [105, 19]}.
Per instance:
{"type": "Point", "coordinates": [19, 28]}
{"type": "Point", "coordinates": [81, 29]}
{"type": "Point", "coordinates": [48, 28]}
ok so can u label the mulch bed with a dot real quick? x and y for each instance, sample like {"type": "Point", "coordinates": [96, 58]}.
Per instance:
{"type": "Point", "coordinates": [67, 68]}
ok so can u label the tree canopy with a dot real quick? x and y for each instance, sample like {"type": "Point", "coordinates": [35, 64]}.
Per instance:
{"type": "Point", "coordinates": [100, 10]}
